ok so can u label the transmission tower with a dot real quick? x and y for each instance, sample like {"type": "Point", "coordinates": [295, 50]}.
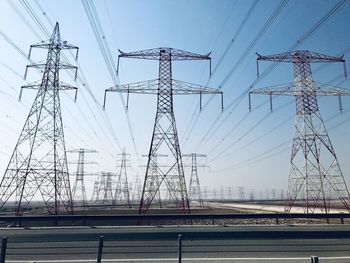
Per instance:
{"type": "Point", "coordinates": [105, 193]}
{"type": "Point", "coordinates": [155, 182]}
{"type": "Point", "coordinates": [314, 179]}
{"type": "Point", "coordinates": [38, 165]}
{"type": "Point", "coordinates": [94, 197]}
{"type": "Point", "coordinates": [194, 191]}
{"type": "Point", "coordinates": [122, 190]}
{"type": "Point", "coordinates": [79, 192]}
{"type": "Point", "coordinates": [164, 138]}
{"type": "Point", "coordinates": [137, 190]}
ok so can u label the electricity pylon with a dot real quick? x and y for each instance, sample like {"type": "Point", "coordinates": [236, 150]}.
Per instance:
{"type": "Point", "coordinates": [155, 181]}
{"type": "Point", "coordinates": [194, 190]}
{"type": "Point", "coordinates": [105, 193]}
{"type": "Point", "coordinates": [315, 176]}
{"type": "Point", "coordinates": [122, 193]}
{"type": "Point", "coordinates": [136, 196]}
{"type": "Point", "coordinates": [95, 197]}
{"type": "Point", "coordinates": [164, 139]}
{"type": "Point", "coordinates": [38, 165]}
{"type": "Point", "coordinates": [79, 192]}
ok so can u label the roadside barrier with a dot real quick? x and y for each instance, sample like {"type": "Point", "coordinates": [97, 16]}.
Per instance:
{"type": "Point", "coordinates": [314, 259]}
{"type": "Point", "coordinates": [155, 219]}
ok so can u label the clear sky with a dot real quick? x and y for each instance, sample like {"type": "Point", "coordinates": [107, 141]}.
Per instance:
{"type": "Point", "coordinates": [249, 149]}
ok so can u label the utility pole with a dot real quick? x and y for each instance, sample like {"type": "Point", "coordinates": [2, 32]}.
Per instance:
{"type": "Point", "coordinates": [194, 191]}
{"type": "Point", "coordinates": [79, 192]}
{"type": "Point", "coordinates": [38, 165]}
{"type": "Point", "coordinates": [315, 176]}
{"type": "Point", "coordinates": [164, 139]}
{"type": "Point", "coordinates": [122, 189]}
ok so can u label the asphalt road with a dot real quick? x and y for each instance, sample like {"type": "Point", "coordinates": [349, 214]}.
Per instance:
{"type": "Point", "coordinates": [200, 244]}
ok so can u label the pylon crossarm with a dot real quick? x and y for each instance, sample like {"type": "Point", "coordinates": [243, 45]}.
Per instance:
{"type": "Point", "coordinates": [38, 84]}
{"type": "Point", "coordinates": [60, 45]}
{"type": "Point", "coordinates": [185, 88]}
{"type": "Point", "coordinates": [155, 53]}
{"type": "Point", "coordinates": [283, 89]}
{"type": "Point", "coordinates": [300, 56]}
{"type": "Point", "coordinates": [330, 90]}
{"type": "Point", "coordinates": [290, 90]}
{"type": "Point", "coordinates": [142, 87]}
{"type": "Point", "coordinates": [151, 87]}
{"type": "Point", "coordinates": [60, 66]}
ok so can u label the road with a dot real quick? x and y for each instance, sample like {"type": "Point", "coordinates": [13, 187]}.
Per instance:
{"type": "Point", "coordinates": [200, 244]}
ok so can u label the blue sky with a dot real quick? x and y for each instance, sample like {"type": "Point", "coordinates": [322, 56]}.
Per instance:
{"type": "Point", "coordinates": [242, 148]}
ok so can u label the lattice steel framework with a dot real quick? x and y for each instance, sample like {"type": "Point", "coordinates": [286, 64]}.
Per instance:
{"type": "Point", "coordinates": [137, 190]}
{"type": "Point", "coordinates": [38, 165]}
{"type": "Point", "coordinates": [105, 193]}
{"type": "Point", "coordinates": [315, 176]}
{"type": "Point", "coordinates": [94, 197]}
{"type": "Point", "coordinates": [122, 193]}
{"type": "Point", "coordinates": [164, 138]}
{"type": "Point", "coordinates": [194, 190]}
{"type": "Point", "coordinates": [79, 192]}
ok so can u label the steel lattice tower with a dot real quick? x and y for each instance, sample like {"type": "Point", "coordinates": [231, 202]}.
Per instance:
{"type": "Point", "coordinates": [94, 197]}
{"type": "Point", "coordinates": [194, 190]}
{"type": "Point", "coordinates": [38, 165]}
{"type": "Point", "coordinates": [155, 181]}
{"type": "Point", "coordinates": [79, 192]}
{"type": "Point", "coordinates": [164, 139]}
{"type": "Point", "coordinates": [105, 193]}
{"type": "Point", "coordinates": [315, 176]}
{"type": "Point", "coordinates": [137, 189]}
{"type": "Point", "coordinates": [122, 189]}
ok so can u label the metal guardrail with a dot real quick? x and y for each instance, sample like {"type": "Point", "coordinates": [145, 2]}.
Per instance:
{"type": "Point", "coordinates": [314, 259]}
{"type": "Point", "coordinates": [146, 219]}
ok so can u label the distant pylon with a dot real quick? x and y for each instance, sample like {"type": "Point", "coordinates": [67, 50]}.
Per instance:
{"type": "Point", "coordinates": [105, 194]}
{"type": "Point", "coordinates": [94, 197]}
{"type": "Point", "coordinates": [194, 191]}
{"type": "Point", "coordinates": [164, 138]}
{"type": "Point", "coordinates": [154, 182]}
{"type": "Point", "coordinates": [241, 192]}
{"type": "Point", "coordinates": [315, 176]}
{"type": "Point", "coordinates": [137, 190]}
{"type": "Point", "coordinates": [122, 193]}
{"type": "Point", "coordinates": [38, 165]}
{"type": "Point", "coordinates": [79, 192]}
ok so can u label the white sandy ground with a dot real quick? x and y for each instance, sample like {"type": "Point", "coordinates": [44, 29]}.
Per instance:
{"type": "Point", "coordinates": [266, 208]}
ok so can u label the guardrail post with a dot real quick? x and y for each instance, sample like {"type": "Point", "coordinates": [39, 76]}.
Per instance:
{"type": "Point", "coordinates": [100, 247]}
{"type": "Point", "coordinates": [314, 259]}
{"type": "Point", "coordinates": [3, 250]}
{"type": "Point", "coordinates": [179, 242]}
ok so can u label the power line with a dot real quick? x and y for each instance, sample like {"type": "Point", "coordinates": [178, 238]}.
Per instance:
{"type": "Point", "coordinates": [306, 35]}
{"type": "Point", "coordinates": [244, 55]}
{"type": "Point", "coordinates": [95, 23]}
